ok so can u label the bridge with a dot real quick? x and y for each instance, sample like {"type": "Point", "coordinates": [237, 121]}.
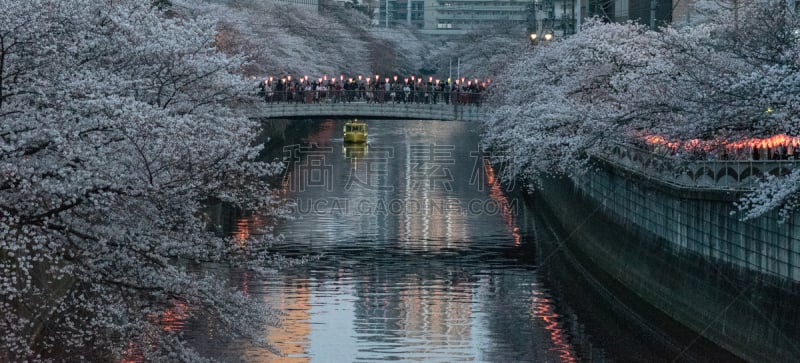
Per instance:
{"type": "Point", "coordinates": [459, 107]}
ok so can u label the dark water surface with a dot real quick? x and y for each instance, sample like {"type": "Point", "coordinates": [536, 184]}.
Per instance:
{"type": "Point", "coordinates": [426, 258]}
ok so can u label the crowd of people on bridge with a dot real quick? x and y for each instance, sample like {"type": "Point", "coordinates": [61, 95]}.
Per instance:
{"type": "Point", "coordinates": [395, 89]}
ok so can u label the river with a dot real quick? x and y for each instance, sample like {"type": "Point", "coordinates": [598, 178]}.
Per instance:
{"type": "Point", "coordinates": [425, 257]}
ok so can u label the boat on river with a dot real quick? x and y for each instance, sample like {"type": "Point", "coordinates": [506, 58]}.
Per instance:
{"type": "Point", "coordinates": [355, 131]}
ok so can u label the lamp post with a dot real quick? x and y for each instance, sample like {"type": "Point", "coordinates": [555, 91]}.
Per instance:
{"type": "Point", "coordinates": [536, 38]}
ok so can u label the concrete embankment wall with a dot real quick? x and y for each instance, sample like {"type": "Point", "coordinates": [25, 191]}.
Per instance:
{"type": "Point", "coordinates": [732, 282]}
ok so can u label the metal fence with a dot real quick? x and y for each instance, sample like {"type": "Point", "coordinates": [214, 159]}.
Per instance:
{"type": "Point", "coordinates": [729, 175]}
{"type": "Point", "coordinates": [374, 96]}
{"type": "Point", "coordinates": [362, 104]}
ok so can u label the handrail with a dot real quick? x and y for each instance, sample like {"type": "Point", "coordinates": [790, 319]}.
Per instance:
{"type": "Point", "coordinates": [373, 96]}
{"type": "Point", "coordinates": [724, 175]}
{"type": "Point", "coordinates": [421, 105]}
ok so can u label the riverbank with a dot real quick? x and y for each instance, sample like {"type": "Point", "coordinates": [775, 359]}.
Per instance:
{"type": "Point", "coordinates": [721, 302]}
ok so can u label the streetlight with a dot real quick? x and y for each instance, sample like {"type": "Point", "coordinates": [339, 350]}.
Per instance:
{"type": "Point", "coordinates": [547, 37]}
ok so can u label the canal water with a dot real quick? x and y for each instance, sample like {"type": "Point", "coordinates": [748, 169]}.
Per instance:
{"type": "Point", "coordinates": [425, 257]}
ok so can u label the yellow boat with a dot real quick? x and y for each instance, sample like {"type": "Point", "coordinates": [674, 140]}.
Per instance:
{"type": "Point", "coordinates": [355, 132]}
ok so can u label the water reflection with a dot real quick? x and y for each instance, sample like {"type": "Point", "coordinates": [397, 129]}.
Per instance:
{"type": "Point", "coordinates": [416, 262]}
{"type": "Point", "coordinates": [292, 337]}
{"type": "Point", "coordinates": [543, 309]}
{"type": "Point", "coordinates": [424, 258]}
{"type": "Point", "coordinates": [354, 152]}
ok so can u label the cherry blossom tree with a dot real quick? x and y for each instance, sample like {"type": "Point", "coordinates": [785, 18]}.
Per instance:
{"type": "Point", "coordinates": [732, 77]}
{"type": "Point", "coordinates": [117, 125]}
{"type": "Point", "coordinates": [561, 99]}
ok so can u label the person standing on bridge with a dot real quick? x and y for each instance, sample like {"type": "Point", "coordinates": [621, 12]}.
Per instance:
{"type": "Point", "coordinates": [380, 93]}
{"type": "Point", "coordinates": [308, 93]}
{"type": "Point", "coordinates": [370, 93]}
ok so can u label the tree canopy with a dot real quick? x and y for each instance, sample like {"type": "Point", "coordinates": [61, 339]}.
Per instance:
{"type": "Point", "coordinates": [733, 77]}
{"type": "Point", "coordinates": [117, 124]}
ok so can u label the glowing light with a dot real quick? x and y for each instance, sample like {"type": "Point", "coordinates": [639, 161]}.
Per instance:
{"type": "Point", "coordinates": [543, 309]}
{"type": "Point", "coordinates": [737, 148]}
{"type": "Point", "coordinates": [497, 195]}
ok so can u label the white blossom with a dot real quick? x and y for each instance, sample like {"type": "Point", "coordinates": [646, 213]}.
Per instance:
{"type": "Point", "coordinates": [117, 125]}
{"type": "Point", "coordinates": [733, 77]}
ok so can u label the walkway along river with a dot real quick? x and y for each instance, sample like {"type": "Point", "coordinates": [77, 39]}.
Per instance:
{"type": "Point", "coordinates": [426, 258]}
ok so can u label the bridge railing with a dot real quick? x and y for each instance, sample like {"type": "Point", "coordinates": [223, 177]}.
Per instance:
{"type": "Point", "coordinates": [373, 96]}
{"type": "Point", "coordinates": [728, 175]}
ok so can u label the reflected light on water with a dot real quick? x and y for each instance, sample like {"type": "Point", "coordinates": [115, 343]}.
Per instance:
{"type": "Point", "coordinates": [291, 338]}
{"type": "Point", "coordinates": [410, 284]}
{"type": "Point", "coordinates": [132, 354]}
{"type": "Point", "coordinates": [543, 309]}
{"type": "Point", "coordinates": [323, 134]}
{"type": "Point", "coordinates": [497, 195]}
{"type": "Point", "coordinates": [241, 231]}
{"type": "Point", "coordinates": [174, 318]}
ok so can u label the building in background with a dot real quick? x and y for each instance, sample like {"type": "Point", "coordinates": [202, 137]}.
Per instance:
{"type": "Point", "coordinates": [392, 13]}
{"type": "Point", "coordinates": [450, 17]}
{"type": "Point", "coordinates": [463, 16]}
{"type": "Point", "coordinates": [558, 17]}
{"type": "Point", "coordinates": [310, 4]}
